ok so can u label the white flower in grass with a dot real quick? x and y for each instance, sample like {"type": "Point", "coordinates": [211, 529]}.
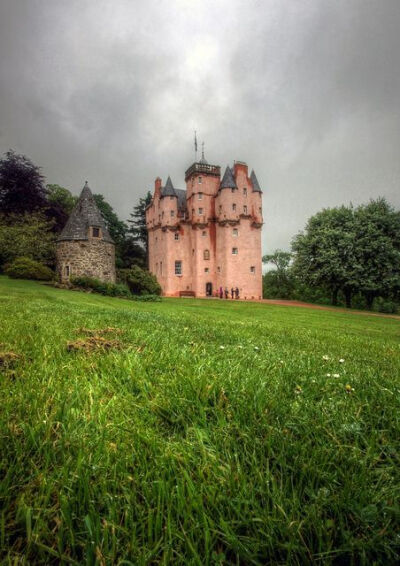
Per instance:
{"type": "Point", "coordinates": [325, 357]}
{"type": "Point", "coordinates": [328, 375]}
{"type": "Point", "coordinates": [222, 347]}
{"type": "Point", "coordinates": [281, 362]}
{"type": "Point", "coordinates": [256, 348]}
{"type": "Point", "coordinates": [240, 346]}
{"type": "Point", "coordinates": [341, 361]}
{"type": "Point", "coordinates": [336, 375]}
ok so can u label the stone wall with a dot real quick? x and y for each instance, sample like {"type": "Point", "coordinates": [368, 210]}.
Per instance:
{"type": "Point", "coordinates": [93, 258]}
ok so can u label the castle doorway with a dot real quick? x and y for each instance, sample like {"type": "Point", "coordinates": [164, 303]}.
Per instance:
{"type": "Point", "coordinates": [208, 289]}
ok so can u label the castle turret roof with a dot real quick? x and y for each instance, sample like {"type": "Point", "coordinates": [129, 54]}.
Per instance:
{"type": "Point", "coordinates": [85, 214]}
{"type": "Point", "coordinates": [254, 182]}
{"type": "Point", "coordinates": [228, 181]}
{"type": "Point", "coordinates": [168, 190]}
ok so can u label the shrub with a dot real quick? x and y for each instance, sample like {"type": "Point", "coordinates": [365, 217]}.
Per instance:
{"type": "Point", "coordinates": [385, 306]}
{"type": "Point", "coordinates": [26, 268]}
{"type": "Point", "coordinates": [109, 289]}
{"type": "Point", "coordinates": [141, 282]}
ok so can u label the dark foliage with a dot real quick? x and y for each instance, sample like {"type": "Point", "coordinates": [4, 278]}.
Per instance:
{"type": "Point", "coordinates": [27, 268]}
{"type": "Point", "coordinates": [137, 223]}
{"type": "Point", "coordinates": [21, 185]}
{"type": "Point", "coordinates": [140, 281]}
{"type": "Point", "coordinates": [110, 289]}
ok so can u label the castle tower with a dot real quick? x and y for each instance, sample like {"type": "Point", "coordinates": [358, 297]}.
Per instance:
{"type": "Point", "coordinates": [85, 247]}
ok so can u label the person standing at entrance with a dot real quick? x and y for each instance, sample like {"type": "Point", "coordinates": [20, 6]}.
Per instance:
{"type": "Point", "coordinates": [221, 292]}
{"type": "Point", "coordinates": [226, 293]}
{"type": "Point", "coordinates": [232, 292]}
{"type": "Point", "coordinates": [237, 292]}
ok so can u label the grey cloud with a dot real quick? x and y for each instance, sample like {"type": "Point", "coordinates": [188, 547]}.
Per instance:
{"type": "Point", "coordinates": [306, 92]}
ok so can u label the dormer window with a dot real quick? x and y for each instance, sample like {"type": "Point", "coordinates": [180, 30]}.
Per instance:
{"type": "Point", "coordinates": [95, 232]}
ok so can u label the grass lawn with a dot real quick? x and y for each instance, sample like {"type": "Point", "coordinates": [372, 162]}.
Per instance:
{"type": "Point", "coordinates": [209, 432]}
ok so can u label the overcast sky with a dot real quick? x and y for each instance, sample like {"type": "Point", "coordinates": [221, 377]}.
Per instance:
{"type": "Point", "coordinates": [307, 92]}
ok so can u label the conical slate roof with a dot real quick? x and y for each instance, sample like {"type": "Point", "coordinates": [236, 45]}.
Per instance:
{"type": "Point", "coordinates": [168, 190]}
{"type": "Point", "coordinates": [84, 215]}
{"type": "Point", "coordinates": [254, 182]}
{"type": "Point", "coordinates": [228, 182]}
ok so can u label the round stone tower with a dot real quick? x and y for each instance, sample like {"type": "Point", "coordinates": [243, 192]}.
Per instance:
{"type": "Point", "coordinates": [85, 246]}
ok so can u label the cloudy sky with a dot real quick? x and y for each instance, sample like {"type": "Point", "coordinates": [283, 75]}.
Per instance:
{"type": "Point", "coordinates": [307, 92]}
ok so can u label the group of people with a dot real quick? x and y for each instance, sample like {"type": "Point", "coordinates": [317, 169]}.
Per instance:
{"type": "Point", "coordinates": [225, 292]}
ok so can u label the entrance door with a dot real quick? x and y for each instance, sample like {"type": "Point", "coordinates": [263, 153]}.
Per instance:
{"type": "Point", "coordinates": [208, 289]}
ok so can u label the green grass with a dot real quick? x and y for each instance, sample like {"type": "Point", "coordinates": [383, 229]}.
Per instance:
{"type": "Point", "coordinates": [214, 436]}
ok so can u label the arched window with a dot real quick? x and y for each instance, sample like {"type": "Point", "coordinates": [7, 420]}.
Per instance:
{"type": "Point", "coordinates": [206, 254]}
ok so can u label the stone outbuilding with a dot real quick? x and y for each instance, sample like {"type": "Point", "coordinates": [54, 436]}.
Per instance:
{"type": "Point", "coordinates": [85, 246]}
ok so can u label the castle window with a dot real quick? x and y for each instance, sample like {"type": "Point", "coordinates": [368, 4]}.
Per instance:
{"type": "Point", "coordinates": [220, 208]}
{"type": "Point", "coordinates": [200, 211]}
{"type": "Point", "coordinates": [206, 254]}
{"type": "Point", "coordinates": [178, 268]}
{"type": "Point", "coordinates": [172, 213]}
{"type": "Point", "coordinates": [200, 196]}
{"type": "Point", "coordinates": [252, 269]}
{"type": "Point", "coordinates": [162, 214]}
{"type": "Point", "coordinates": [156, 267]}
{"type": "Point", "coordinates": [160, 267]}
{"type": "Point", "coordinates": [219, 269]}
{"type": "Point", "coordinates": [245, 192]}
{"type": "Point", "coordinates": [204, 233]}
{"type": "Point", "coordinates": [96, 232]}
{"type": "Point", "coordinates": [235, 232]}
{"type": "Point", "coordinates": [66, 270]}
{"type": "Point", "coordinates": [206, 270]}
{"type": "Point", "coordinates": [234, 207]}
{"type": "Point", "coordinates": [234, 251]}
{"type": "Point", "coordinates": [245, 209]}
{"type": "Point", "coordinates": [176, 236]}
{"type": "Point", "coordinates": [200, 180]}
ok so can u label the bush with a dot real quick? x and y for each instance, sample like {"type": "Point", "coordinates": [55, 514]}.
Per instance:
{"type": "Point", "coordinates": [141, 282]}
{"type": "Point", "coordinates": [26, 268]}
{"type": "Point", "coordinates": [109, 289]}
{"type": "Point", "coordinates": [385, 306]}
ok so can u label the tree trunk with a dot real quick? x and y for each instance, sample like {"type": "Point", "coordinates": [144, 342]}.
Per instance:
{"type": "Point", "coordinates": [369, 297]}
{"type": "Point", "coordinates": [347, 294]}
{"type": "Point", "coordinates": [334, 296]}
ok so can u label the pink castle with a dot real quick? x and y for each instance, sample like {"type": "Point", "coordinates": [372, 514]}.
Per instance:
{"type": "Point", "coordinates": [207, 237]}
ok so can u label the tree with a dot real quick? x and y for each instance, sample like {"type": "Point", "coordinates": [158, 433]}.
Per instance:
{"type": "Point", "coordinates": [62, 197]}
{"type": "Point", "coordinates": [324, 255]}
{"type": "Point", "coordinates": [142, 282]}
{"type": "Point", "coordinates": [138, 227]}
{"type": "Point", "coordinates": [278, 283]}
{"type": "Point", "coordinates": [27, 235]}
{"type": "Point", "coordinates": [377, 248]}
{"type": "Point", "coordinates": [116, 227]}
{"type": "Point", "coordinates": [21, 185]}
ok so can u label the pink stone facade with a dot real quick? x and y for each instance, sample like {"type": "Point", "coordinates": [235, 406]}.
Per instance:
{"type": "Point", "coordinates": [208, 236]}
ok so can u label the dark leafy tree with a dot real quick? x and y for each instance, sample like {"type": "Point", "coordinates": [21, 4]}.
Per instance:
{"type": "Point", "coordinates": [278, 283]}
{"type": "Point", "coordinates": [138, 222]}
{"type": "Point", "coordinates": [377, 249]}
{"type": "Point", "coordinates": [117, 228]}
{"type": "Point", "coordinates": [62, 197]}
{"type": "Point", "coordinates": [21, 185]}
{"type": "Point", "coordinates": [324, 255]}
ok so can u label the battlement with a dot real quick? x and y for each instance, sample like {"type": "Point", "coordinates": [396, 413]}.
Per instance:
{"type": "Point", "coordinates": [203, 168]}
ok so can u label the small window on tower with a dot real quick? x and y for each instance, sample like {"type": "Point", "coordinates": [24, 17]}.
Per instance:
{"type": "Point", "coordinates": [67, 270]}
{"type": "Point", "coordinates": [176, 236]}
{"type": "Point", "coordinates": [234, 251]}
{"type": "Point", "coordinates": [172, 213]}
{"type": "Point", "coordinates": [206, 270]}
{"type": "Point", "coordinates": [219, 269]}
{"type": "Point", "coordinates": [206, 254]}
{"type": "Point", "coordinates": [235, 232]}
{"type": "Point", "coordinates": [96, 232]}
{"type": "Point", "coordinates": [204, 233]}
{"type": "Point", "coordinates": [233, 189]}
{"type": "Point", "coordinates": [220, 208]}
{"type": "Point", "coordinates": [252, 269]}
{"type": "Point", "coordinates": [234, 207]}
{"type": "Point", "coordinates": [245, 209]}
{"type": "Point", "coordinates": [200, 196]}
{"type": "Point", "coordinates": [200, 211]}
{"type": "Point", "coordinates": [245, 192]}
{"type": "Point", "coordinates": [200, 180]}
{"type": "Point", "coordinates": [178, 268]}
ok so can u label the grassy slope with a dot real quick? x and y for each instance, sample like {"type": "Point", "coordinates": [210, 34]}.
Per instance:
{"type": "Point", "coordinates": [176, 450]}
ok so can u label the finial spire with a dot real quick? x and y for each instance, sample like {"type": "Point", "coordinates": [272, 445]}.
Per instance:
{"type": "Point", "coordinates": [202, 150]}
{"type": "Point", "coordinates": [195, 146]}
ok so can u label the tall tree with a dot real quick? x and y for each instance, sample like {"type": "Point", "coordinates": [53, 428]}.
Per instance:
{"type": "Point", "coordinates": [138, 227]}
{"type": "Point", "coordinates": [21, 185]}
{"type": "Point", "coordinates": [377, 248]}
{"type": "Point", "coordinates": [62, 197]}
{"type": "Point", "coordinates": [324, 255]}
{"type": "Point", "coordinates": [116, 227]}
